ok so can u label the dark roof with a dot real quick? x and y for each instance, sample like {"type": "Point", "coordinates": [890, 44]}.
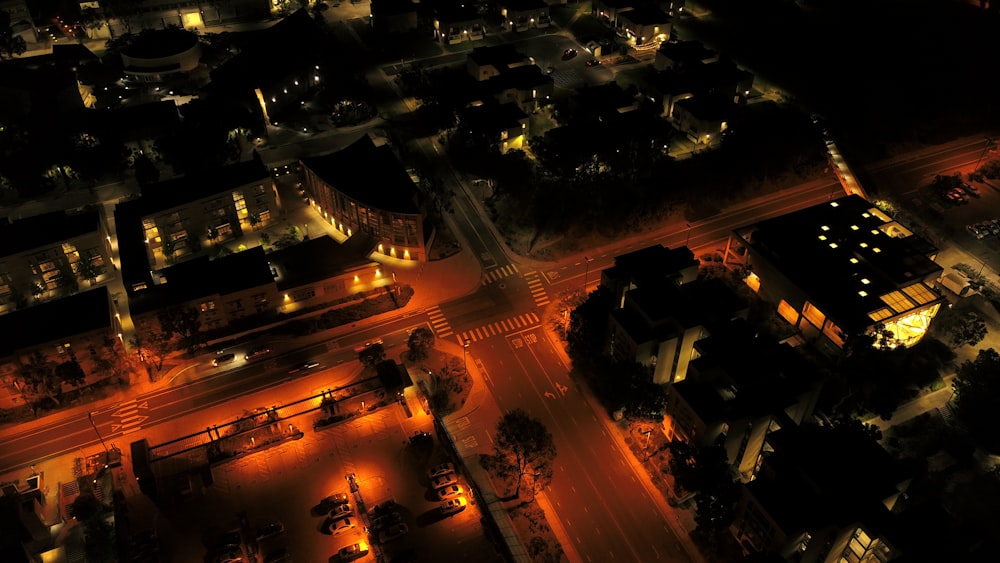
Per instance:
{"type": "Point", "coordinates": [368, 174]}
{"type": "Point", "coordinates": [132, 252]}
{"type": "Point", "coordinates": [500, 56]}
{"type": "Point", "coordinates": [462, 13]}
{"type": "Point", "coordinates": [46, 229]}
{"type": "Point", "coordinates": [684, 52]}
{"type": "Point", "coordinates": [36, 80]}
{"type": "Point", "coordinates": [492, 116]}
{"type": "Point", "coordinates": [268, 56]}
{"type": "Point", "coordinates": [55, 320]}
{"type": "Point", "coordinates": [663, 311]}
{"type": "Point", "coordinates": [835, 251]}
{"type": "Point", "coordinates": [319, 259]}
{"type": "Point", "coordinates": [645, 14]}
{"type": "Point", "coordinates": [523, 77]}
{"type": "Point", "coordinates": [672, 82]}
{"type": "Point", "coordinates": [619, 4]}
{"type": "Point", "coordinates": [201, 277]}
{"type": "Point", "coordinates": [653, 265]}
{"type": "Point", "coordinates": [185, 189]}
{"type": "Point", "coordinates": [707, 108]}
{"type": "Point", "coordinates": [604, 97]}
{"type": "Point", "coordinates": [523, 5]}
{"type": "Point", "coordinates": [141, 120]}
{"type": "Point", "coordinates": [157, 43]}
{"type": "Point", "coordinates": [392, 7]}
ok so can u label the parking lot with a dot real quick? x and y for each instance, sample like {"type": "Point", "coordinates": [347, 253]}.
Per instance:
{"type": "Point", "coordinates": [285, 485]}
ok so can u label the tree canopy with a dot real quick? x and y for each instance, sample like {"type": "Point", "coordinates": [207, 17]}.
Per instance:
{"type": "Point", "coordinates": [420, 342]}
{"type": "Point", "coordinates": [524, 448]}
{"type": "Point", "coordinates": [977, 398]}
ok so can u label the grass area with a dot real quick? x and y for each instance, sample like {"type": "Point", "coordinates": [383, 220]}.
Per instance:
{"type": "Point", "coordinates": [449, 383]}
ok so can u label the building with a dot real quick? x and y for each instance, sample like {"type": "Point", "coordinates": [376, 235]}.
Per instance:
{"type": "Point", "coordinates": [841, 269]}
{"type": "Point", "coordinates": [608, 11]}
{"type": "Point", "coordinates": [393, 16]}
{"type": "Point", "coordinates": [502, 127]}
{"type": "Point", "coordinates": [484, 63]}
{"type": "Point", "coordinates": [458, 25]}
{"type": "Point", "coordinates": [321, 270]}
{"type": "Point", "coordinates": [645, 25]}
{"type": "Point", "coordinates": [52, 255]}
{"type": "Point", "coordinates": [158, 53]}
{"type": "Point", "coordinates": [703, 118]}
{"type": "Point", "coordinates": [808, 504]}
{"type": "Point", "coordinates": [188, 217]}
{"type": "Point", "coordinates": [222, 291]}
{"type": "Point", "coordinates": [680, 55]}
{"type": "Point", "coordinates": [519, 15]}
{"type": "Point", "coordinates": [506, 75]}
{"type": "Point", "coordinates": [21, 22]}
{"type": "Point", "coordinates": [742, 386]}
{"type": "Point", "coordinates": [661, 309]}
{"type": "Point", "coordinates": [364, 189]}
{"type": "Point", "coordinates": [135, 16]}
{"type": "Point", "coordinates": [79, 330]}
{"type": "Point", "coordinates": [602, 102]}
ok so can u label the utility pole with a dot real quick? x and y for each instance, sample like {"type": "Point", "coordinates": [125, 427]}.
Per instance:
{"type": "Point", "coordinates": [90, 416]}
{"type": "Point", "coordinates": [586, 273]}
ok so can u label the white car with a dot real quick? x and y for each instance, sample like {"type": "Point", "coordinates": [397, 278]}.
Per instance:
{"type": "Point", "coordinates": [444, 481]}
{"type": "Point", "coordinates": [352, 552]}
{"type": "Point", "coordinates": [340, 511]}
{"type": "Point", "coordinates": [452, 506]}
{"type": "Point", "coordinates": [337, 527]}
{"type": "Point", "coordinates": [442, 469]}
{"type": "Point", "coordinates": [450, 491]}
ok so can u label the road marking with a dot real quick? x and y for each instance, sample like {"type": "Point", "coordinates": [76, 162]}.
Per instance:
{"type": "Point", "coordinates": [439, 323]}
{"type": "Point", "coordinates": [537, 289]}
{"type": "Point", "coordinates": [498, 328]}
{"type": "Point", "coordinates": [499, 273]}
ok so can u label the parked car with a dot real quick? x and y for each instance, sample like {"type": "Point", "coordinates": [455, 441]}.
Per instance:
{"type": "Point", "coordinates": [331, 502]}
{"type": "Point", "coordinates": [340, 511]}
{"type": "Point", "coordinates": [593, 62]}
{"type": "Point", "coordinates": [970, 189]}
{"type": "Point", "coordinates": [270, 530]}
{"type": "Point", "coordinates": [393, 533]}
{"type": "Point", "coordinates": [352, 552]}
{"type": "Point", "coordinates": [441, 469]}
{"type": "Point", "coordinates": [339, 526]}
{"type": "Point", "coordinates": [450, 491]}
{"type": "Point", "coordinates": [444, 480]}
{"type": "Point", "coordinates": [387, 520]}
{"type": "Point", "coordinates": [976, 231]}
{"type": "Point", "coordinates": [384, 507]}
{"type": "Point", "coordinates": [452, 506]}
{"type": "Point", "coordinates": [995, 226]}
{"type": "Point", "coordinates": [568, 54]}
{"type": "Point", "coordinates": [256, 352]}
{"type": "Point", "coordinates": [223, 359]}
{"type": "Point", "coordinates": [280, 555]}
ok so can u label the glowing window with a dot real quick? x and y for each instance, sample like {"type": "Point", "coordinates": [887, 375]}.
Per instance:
{"type": "Point", "coordinates": [822, 237]}
{"type": "Point", "coordinates": [814, 315]}
{"type": "Point", "coordinates": [876, 250]}
{"type": "Point", "coordinates": [897, 301]}
{"type": "Point", "coordinates": [825, 228]}
{"type": "Point", "coordinates": [863, 245]}
{"type": "Point", "coordinates": [854, 260]}
{"type": "Point", "coordinates": [834, 204]}
{"type": "Point", "coordinates": [833, 245]}
{"type": "Point", "coordinates": [866, 215]}
{"type": "Point", "coordinates": [883, 313]}
{"type": "Point", "coordinates": [875, 231]}
{"type": "Point", "coordinates": [854, 227]}
{"type": "Point", "coordinates": [920, 293]}
{"type": "Point", "coordinates": [788, 312]}
{"type": "Point", "coordinates": [863, 293]}
{"type": "Point", "coordinates": [865, 281]}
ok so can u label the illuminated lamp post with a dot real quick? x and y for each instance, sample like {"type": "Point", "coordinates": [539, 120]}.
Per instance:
{"type": "Point", "coordinates": [465, 354]}
{"type": "Point", "coordinates": [586, 272]}
{"type": "Point", "coordinates": [90, 416]}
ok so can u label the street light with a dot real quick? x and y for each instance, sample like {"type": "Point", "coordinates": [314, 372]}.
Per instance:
{"type": "Point", "coordinates": [90, 416]}
{"type": "Point", "coordinates": [688, 239]}
{"type": "Point", "coordinates": [586, 272]}
{"type": "Point", "coordinates": [465, 354]}
{"type": "Point", "coordinates": [989, 143]}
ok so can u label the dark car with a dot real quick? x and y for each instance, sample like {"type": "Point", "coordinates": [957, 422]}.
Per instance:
{"type": "Point", "coordinates": [593, 62]}
{"type": "Point", "coordinates": [569, 54]}
{"type": "Point", "coordinates": [257, 351]}
{"type": "Point", "coordinates": [304, 366]}
{"type": "Point", "coordinates": [223, 359]}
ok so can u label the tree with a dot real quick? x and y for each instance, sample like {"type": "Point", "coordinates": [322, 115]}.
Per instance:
{"type": "Point", "coordinates": [371, 355]}
{"type": "Point", "coordinates": [977, 398]}
{"type": "Point", "coordinates": [87, 269]}
{"type": "Point", "coordinates": [70, 372]}
{"type": "Point", "coordinates": [152, 347]}
{"type": "Point", "coordinates": [146, 171]}
{"type": "Point", "coordinates": [184, 322]}
{"type": "Point", "coordinates": [964, 328]}
{"type": "Point", "coordinates": [10, 45]}
{"type": "Point", "coordinates": [420, 342]}
{"type": "Point", "coordinates": [524, 448]}
{"type": "Point", "coordinates": [707, 472]}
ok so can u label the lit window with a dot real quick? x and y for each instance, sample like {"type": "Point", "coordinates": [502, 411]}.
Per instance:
{"type": "Point", "coordinates": [866, 215]}
{"type": "Point", "coordinates": [876, 250]}
{"type": "Point", "coordinates": [863, 245]}
{"type": "Point", "coordinates": [822, 237]}
{"type": "Point", "coordinates": [834, 204]}
{"type": "Point", "coordinates": [825, 228]}
{"type": "Point", "coordinates": [854, 227]}
{"type": "Point", "coordinates": [854, 260]}
{"type": "Point", "coordinates": [875, 231]}
{"type": "Point", "coordinates": [863, 293]}
{"type": "Point", "coordinates": [833, 245]}
{"type": "Point", "coordinates": [865, 281]}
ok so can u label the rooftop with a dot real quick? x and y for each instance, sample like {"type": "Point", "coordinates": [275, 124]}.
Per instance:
{"type": "Point", "coordinates": [56, 320]}
{"type": "Point", "coordinates": [646, 14]}
{"type": "Point", "coordinates": [368, 174]}
{"type": "Point", "coordinates": [682, 52]}
{"type": "Point", "coordinates": [319, 259]}
{"type": "Point", "coordinates": [44, 230]}
{"type": "Point", "coordinates": [502, 56]}
{"type": "Point", "coordinates": [854, 262]}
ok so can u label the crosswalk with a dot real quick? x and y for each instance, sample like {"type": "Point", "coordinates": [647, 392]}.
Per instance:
{"type": "Point", "coordinates": [499, 274]}
{"type": "Point", "coordinates": [439, 324]}
{"type": "Point", "coordinates": [129, 419]}
{"type": "Point", "coordinates": [499, 327]}
{"type": "Point", "coordinates": [537, 288]}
